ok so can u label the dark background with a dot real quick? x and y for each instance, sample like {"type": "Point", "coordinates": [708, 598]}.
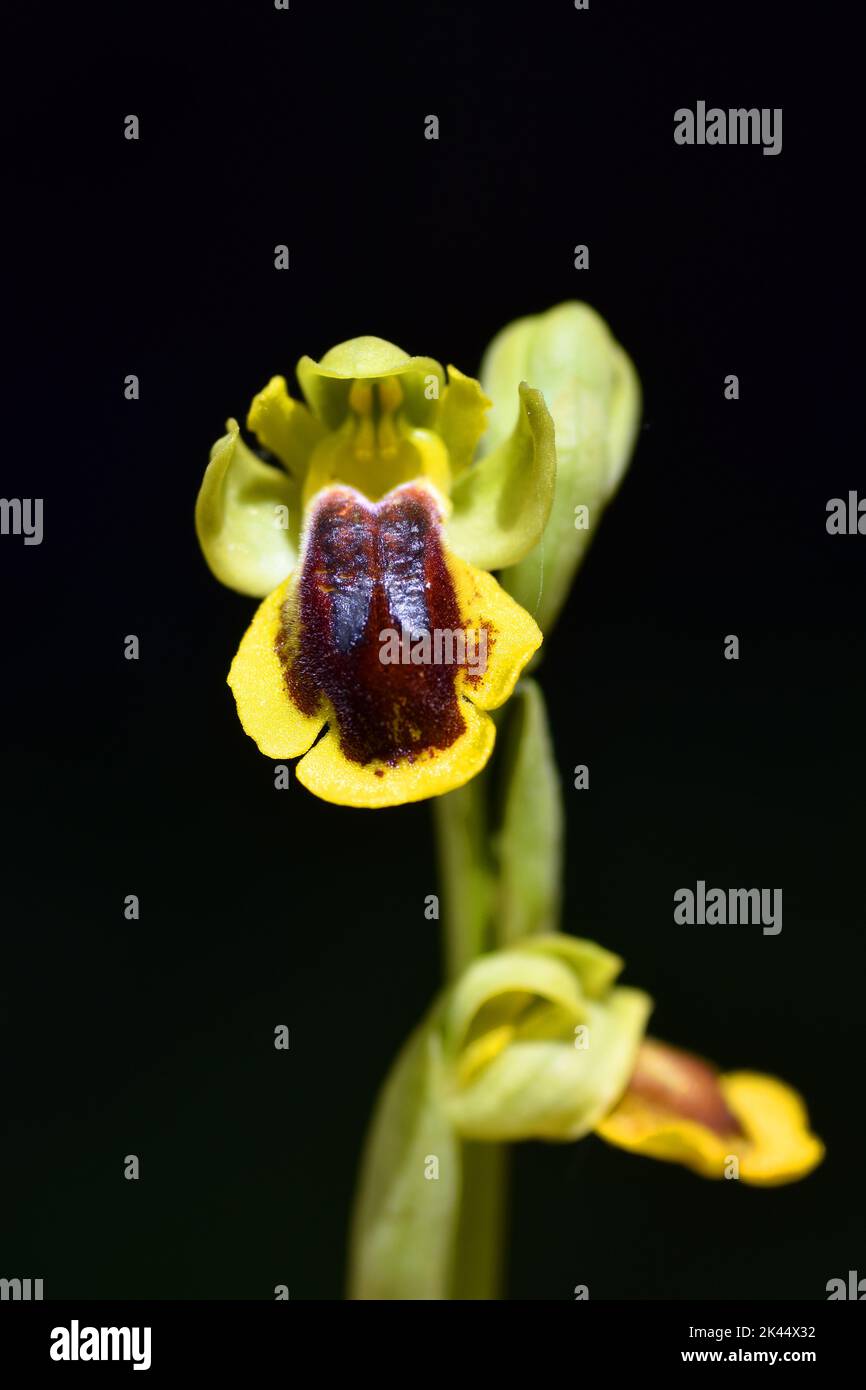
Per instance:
{"type": "Point", "coordinates": [262, 907]}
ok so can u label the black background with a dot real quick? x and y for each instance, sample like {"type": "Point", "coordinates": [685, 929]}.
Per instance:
{"type": "Point", "coordinates": [261, 907]}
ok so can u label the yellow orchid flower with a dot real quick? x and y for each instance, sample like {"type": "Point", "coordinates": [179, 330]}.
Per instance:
{"type": "Point", "coordinates": [740, 1124]}
{"type": "Point", "coordinates": [371, 540]}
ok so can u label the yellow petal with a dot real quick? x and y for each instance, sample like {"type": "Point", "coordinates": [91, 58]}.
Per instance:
{"type": "Point", "coordinates": [636, 1126]}
{"type": "Point", "coordinates": [491, 616]}
{"type": "Point", "coordinates": [284, 426]}
{"type": "Point", "coordinates": [774, 1146]}
{"type": "Point", "coordinates": [462, 418]}
{"type": "Point", "coordinates": [265, 707]}
{"type": "Point", "coordinates": [327, 773]}
{"type": "Point", "coordinates": [782, 1147]}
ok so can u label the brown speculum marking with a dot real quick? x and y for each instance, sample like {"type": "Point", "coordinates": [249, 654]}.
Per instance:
{"type": "Point", "coordinates": [369, 569]}
{"type": "Point", "coordinates": [684, 1085]}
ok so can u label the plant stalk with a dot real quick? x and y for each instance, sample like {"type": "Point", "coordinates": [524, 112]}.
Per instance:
{"type": "Point", "coordinates": [467, 883]}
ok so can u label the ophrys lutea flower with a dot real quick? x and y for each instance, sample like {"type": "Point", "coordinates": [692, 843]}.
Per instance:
{"type": "Point", "coordinates": [372, 537]}
{"type": "Point", "coordinates": [540, 1041]}
{"type": "Point", "coordinates": [545, 1044]}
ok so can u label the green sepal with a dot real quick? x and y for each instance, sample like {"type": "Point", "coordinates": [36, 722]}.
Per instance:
{"type": "Point", "coordinates": [596, 967]}
{"type": "Point", "coordinates": [529, 845]}
{"type": "Point", "coordinates": [502, 502]}
{"type": "Point", "coordinates": [404, 1223]}
{"type": "Point", "coordinates": [498, 988]}
{"type": "Point", "coordinates": [326, 384]}
{"type": "Point", "coordinates": [538, 1041]}
{"type": "Point", "coordinates": [240, 513]}
{"type": "Point", "coordinates": [593, 394]}
{"type": "Point", "coordinates": [548, 1088]}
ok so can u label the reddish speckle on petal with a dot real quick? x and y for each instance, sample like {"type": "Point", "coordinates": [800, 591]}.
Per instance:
{"type": "Point", "coordinates": [370, 569]}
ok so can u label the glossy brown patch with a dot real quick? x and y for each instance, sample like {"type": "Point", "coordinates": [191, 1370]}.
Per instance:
{"type": "Point", "coordinates": [685, 1085]}
{"type": "Point", "coordinates": [369, 569]}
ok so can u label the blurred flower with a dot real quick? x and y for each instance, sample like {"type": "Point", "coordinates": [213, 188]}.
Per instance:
{"type": "Point", "coordinates": [534, 1041]}
{"type": "Point", "coordinates": [678, 1107]}
{"type": "Point", "coordinates": [538, 1040]}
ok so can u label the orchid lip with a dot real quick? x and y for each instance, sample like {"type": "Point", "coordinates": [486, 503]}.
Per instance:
{"type": "Point", "coordinates": [368, 569]}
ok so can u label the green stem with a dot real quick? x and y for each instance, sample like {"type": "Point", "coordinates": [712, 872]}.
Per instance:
{"type": "Point", "coordinates": [467, 884]}
{"type": "Point", "coordinates": [464, 872]}
{"type": "Point", "coordinates": [480, 1250]}
{"type": "Point", "coordinates": [499, 843]}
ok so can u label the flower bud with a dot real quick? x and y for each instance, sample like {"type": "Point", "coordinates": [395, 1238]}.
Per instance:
{"type": "Point", "coordinates": [538, 1043]}
{"type": "Point", "coordinates": [593, 393]}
